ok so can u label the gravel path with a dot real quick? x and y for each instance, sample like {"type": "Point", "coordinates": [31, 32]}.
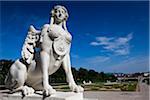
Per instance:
{"type": "Point", "coordinates": [142, 95]}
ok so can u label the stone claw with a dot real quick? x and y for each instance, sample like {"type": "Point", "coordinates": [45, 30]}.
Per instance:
{"type": "Point", "coordinates": [49, 91]}
{"type": "Point", "coordinates": [76, 88]}
{"type": "Point", "coordinates": [27, 90]}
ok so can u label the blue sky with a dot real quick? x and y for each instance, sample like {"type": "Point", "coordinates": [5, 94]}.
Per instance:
{"type": "Point", "coordinates": [110, 36]}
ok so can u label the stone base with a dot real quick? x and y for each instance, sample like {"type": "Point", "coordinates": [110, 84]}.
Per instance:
{"type": "Point", "coordinates": [38, 96]}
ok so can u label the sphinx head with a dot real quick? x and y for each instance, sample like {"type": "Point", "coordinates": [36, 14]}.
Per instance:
{"type": "Point", "coordinates": [59, 13]}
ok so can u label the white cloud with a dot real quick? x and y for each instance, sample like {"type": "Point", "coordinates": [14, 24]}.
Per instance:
{"type": "Point", "coordinates": [94, 43]}
{"type": "Point", "coordinates": [132, 64]}
{"type": "Point", "coordinates": [117, 45]}
{"type": "Point", "coordinates": [96, 59]}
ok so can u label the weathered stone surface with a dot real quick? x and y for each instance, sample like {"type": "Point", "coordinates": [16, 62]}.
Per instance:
{"type": "Point", "coordinates": [31, 72]}
{"type": "Point", "coordinates": [38, 96]}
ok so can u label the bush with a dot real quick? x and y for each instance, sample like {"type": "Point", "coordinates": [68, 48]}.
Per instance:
{"type": "Point", "coordinates": [116, 86]}
{"type": "Point", "coordinates": [95, 88]}
{"type": "Point", "coordinates": [129, 87]}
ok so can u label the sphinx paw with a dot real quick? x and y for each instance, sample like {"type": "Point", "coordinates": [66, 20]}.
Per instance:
{"type": "Point", "coordinates": [76, 88]}
{"type": "Point", "coordinates": [27, 90]}
{"type": "Point", "coordinates": [48, 91]}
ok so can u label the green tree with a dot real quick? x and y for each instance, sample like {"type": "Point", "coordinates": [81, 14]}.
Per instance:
{"type": "Point", "coordinates": [82, 74]}
{"type": "Point", "coordinates": [4, 68]}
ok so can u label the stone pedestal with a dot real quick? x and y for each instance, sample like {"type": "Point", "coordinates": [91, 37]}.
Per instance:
{"type": "Point", "coordinates": [38, 96]}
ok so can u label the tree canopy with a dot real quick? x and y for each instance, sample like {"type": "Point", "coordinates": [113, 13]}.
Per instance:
{"type": "Point", "coordinates": [80, 74]}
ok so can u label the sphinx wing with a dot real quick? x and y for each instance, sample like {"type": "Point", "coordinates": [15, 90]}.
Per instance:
{"type": "Point", "coordinates": [31, 42]}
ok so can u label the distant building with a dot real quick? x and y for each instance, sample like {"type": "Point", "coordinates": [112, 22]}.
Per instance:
{"type": "Point", "coordinates": [146, 74]}
{"type": "Point", "coordinates": [127, 77]}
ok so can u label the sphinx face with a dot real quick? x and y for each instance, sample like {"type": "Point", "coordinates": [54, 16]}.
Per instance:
{"type": "Point", "coordinates": [60, 14]}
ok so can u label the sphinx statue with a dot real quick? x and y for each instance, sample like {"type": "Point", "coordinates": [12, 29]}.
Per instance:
{"type": "Point", "coordinates": [43, 53]}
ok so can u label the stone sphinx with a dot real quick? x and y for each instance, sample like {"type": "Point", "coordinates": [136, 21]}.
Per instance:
{"type": "Point", "coordinates": [43, 53]}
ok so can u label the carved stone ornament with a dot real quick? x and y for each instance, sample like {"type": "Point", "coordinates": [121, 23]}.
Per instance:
{"type": "Point", "coordinates": [61, 46]}
{"type": "Point", "coordinates": [43, 53]}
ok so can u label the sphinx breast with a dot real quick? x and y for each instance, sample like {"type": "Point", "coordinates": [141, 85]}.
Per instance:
{"type": "Point", "coordinates": [56, 31]}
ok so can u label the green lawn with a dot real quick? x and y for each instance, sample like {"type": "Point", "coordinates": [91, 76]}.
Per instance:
{"type": "Point", "coordinates": [127, 86]}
